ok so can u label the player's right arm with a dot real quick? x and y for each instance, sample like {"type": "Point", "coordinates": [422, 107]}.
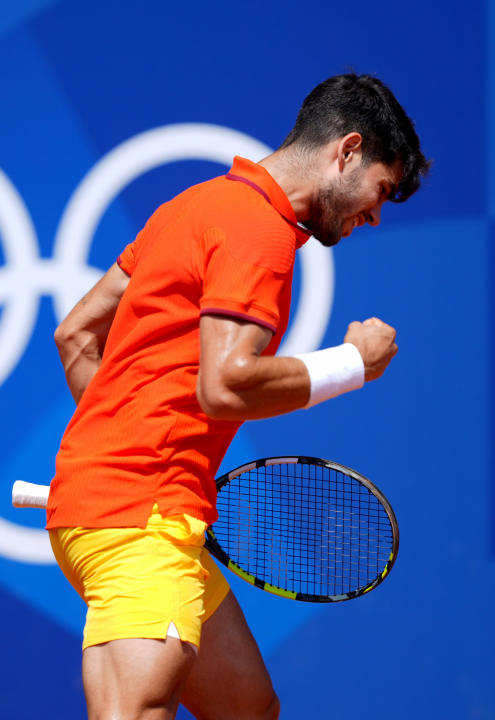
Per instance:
{"type": "Point", "coordinates": [237, 383]}
{"type": "Point", "coordinates": [81, 336]}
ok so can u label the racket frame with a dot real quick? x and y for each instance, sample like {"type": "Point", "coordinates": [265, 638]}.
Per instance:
{"type": "Point", "coordinates": [214, 547]}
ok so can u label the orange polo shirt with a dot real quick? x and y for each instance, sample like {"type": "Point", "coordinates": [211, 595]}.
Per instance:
{"type": "Point", "coordinates": [138, 435]}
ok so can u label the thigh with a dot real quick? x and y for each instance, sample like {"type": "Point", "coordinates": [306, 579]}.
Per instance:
{"type": "Point", "coordinates": [135, 679]}
{"type": "Point", "coordinates": [229, 680]}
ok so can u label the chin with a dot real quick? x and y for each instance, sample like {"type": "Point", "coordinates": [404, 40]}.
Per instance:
{"type": "Point", "coordinates": [326, 234]}
{"type": "Point", "coordinates": [329, 240]}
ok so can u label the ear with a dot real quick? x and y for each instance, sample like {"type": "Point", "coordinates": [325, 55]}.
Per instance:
{"type": "Point", "coordinates": [348, 148]}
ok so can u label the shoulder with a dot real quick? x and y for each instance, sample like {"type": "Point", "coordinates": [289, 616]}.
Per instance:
{"type": "Point", "coordinates": [251, 229]}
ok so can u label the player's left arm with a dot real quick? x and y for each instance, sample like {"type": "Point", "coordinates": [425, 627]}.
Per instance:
{"type": "Point", "coordinates": [81, 336]}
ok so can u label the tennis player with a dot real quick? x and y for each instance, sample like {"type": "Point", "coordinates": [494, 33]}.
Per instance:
{"type": "Point", "coordinates": [165, 357]}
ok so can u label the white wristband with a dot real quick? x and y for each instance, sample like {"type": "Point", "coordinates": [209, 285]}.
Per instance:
{"type": "Point", "coordinates": [333, 371]}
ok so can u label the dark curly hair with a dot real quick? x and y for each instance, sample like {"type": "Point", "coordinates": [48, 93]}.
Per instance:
{"type": "Point", "coordinates": [363, 104]}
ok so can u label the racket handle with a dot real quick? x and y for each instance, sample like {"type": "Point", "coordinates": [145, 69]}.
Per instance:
{"type": "Point", "coordinates": [25, 494]}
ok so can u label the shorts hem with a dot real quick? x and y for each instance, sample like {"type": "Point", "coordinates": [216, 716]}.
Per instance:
{"type": "Point", "coordinates": [159, 633]}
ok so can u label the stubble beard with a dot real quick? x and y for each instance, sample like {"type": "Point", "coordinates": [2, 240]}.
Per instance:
{"type": "Point", "coordinates": [332, 205]}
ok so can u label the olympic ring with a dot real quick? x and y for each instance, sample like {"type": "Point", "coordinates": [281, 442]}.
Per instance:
{"type": "Point", "coordinates": [67, 275]}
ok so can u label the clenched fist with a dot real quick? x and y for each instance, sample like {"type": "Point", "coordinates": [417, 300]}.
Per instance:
{"type": "Point", "coordinates": [375, 340]}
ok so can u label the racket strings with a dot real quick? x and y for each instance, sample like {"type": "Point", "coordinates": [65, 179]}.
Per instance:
{"type": "Point", "coordinates": [305, 528]}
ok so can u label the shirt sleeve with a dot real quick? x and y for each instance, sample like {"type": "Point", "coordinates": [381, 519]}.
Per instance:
{"type": "Point", "coordinates": [130, 255]}
{"type": "Point", "coordinates": [127, 258]}
{"type": "Point", "coordinates": [244, 278]}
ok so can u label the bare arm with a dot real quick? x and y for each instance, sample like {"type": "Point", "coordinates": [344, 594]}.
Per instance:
{"type": "Point", "coordinates": [237, 383]}
{"type": "Point", "coordinates": [81, 336]}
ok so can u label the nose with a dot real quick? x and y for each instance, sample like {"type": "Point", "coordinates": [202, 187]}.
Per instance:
{"type": "Point", "coordinates": [374, 216]}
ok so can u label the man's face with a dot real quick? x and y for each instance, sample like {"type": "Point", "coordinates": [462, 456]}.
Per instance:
{"type": "Point", "coordinates": [350, 200]}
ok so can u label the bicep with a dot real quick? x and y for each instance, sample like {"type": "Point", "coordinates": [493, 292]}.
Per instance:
{"type": "Point", "coordinates": [228, 349]}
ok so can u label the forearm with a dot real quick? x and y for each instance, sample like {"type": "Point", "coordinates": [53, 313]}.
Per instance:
{"type": "Point", "coordinates": [81, 337]}
{"type": "Point", "coordinates": [259, 387]}
{"type": "Point", "coordinates": [81, 358]}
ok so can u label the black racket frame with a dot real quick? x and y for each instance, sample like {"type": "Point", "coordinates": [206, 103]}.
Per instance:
{"type": "Point", "coordinates": [212, 544]}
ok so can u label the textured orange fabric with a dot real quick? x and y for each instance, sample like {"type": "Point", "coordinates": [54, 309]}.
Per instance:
{"type": "Point", "coordinates": [138, 435]}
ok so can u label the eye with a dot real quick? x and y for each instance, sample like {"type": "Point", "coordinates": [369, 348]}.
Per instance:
{"type": "Point", "coordinates": [387, 192]}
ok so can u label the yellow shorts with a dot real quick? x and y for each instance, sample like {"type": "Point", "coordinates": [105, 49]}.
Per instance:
{"type": "Point", "coordinates": [136, 582]}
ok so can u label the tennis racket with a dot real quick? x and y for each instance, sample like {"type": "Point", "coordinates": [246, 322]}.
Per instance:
{"type": "Point", "coordinates": [299, 527]}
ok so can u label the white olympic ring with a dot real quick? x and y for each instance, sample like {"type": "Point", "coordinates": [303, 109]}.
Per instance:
{"type": "Point", "coordinates": [67, 276]}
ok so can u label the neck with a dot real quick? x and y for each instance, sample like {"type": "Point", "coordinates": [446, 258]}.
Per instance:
{"type": "Point", "coordinates": [291, 173]}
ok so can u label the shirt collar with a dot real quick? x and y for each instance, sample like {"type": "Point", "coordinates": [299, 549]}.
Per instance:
{"type": "Point", "coordinates": [260, 180]}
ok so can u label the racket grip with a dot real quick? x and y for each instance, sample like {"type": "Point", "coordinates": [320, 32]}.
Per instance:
{"type": "Point", "coordinates": [25, 494]}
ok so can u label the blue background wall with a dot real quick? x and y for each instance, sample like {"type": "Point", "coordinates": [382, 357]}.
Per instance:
{"type": "Point", "coordinates": [77, 79]}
